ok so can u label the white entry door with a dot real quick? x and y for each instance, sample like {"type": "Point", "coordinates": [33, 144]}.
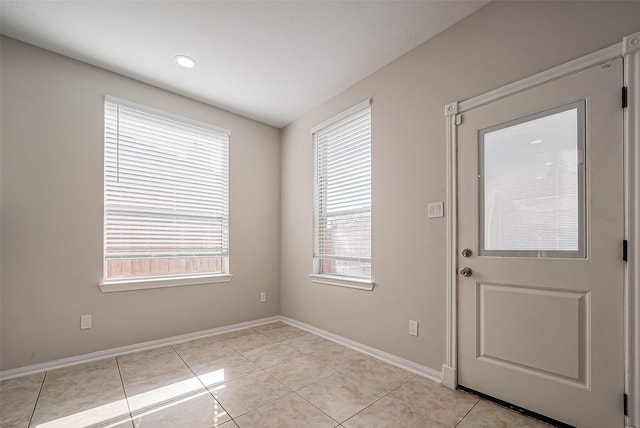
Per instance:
{"type": "Point", "coordinates": [540, 232]}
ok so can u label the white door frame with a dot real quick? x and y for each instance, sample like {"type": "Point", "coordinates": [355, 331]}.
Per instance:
{"type": "Point", "coordinates": [629, 50]}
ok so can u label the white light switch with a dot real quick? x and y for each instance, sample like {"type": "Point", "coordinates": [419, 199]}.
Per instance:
{"type": "Point", "coordinates": [435, 209]}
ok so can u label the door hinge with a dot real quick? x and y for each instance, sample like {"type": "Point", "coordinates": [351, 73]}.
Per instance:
{"type": "Point", "coordinates": [625, 99]}
{"type": "Point", "coordinates": [626, 404]}
{"type": "Point", "coordinates": [458, 119]}
{"type": "Point", "coordinates": [625, 250]}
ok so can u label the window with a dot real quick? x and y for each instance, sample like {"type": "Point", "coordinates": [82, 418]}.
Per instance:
{"type": "Point", "coordinates": [532, 185]}
{"type": "Point", "coordinates": [166, 196]}
{"type": "Point", "coordinates": [342, 196]}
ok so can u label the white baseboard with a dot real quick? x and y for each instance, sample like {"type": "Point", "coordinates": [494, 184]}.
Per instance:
{"type": "Point", "coordinates": [373, 352]}
{"type": "Point", "coordinates": [108, 353]}
{"type": "Point", "coordinates": [449, 376]}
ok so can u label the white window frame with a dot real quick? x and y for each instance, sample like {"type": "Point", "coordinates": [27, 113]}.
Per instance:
{"type": "Point", "coordinates": [316, 276]}
{"type": "Point", "coordinates": [140, 283]}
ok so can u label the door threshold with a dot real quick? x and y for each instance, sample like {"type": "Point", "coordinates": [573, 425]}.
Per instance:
{"type": "Point", "coordinates": [521, 410]}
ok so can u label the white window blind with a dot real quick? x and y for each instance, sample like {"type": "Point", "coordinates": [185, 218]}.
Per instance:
{"type": "Point", "coordinates": [166, 196]}
{"type": "Point", "coordinates": [342, 196]}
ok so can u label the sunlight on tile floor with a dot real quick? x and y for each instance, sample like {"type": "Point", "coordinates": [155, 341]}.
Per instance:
{"type": "Point", "coordinates": [273, 375]}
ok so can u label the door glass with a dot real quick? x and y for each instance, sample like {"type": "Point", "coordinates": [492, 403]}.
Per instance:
{"type": "Point", "coordinates": [531, 185]}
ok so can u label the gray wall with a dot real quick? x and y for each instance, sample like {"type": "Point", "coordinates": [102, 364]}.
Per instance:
{"type": "Point", "coordinates": [52, 196]}
{"type": "Point", "coordinates": [499, 44]}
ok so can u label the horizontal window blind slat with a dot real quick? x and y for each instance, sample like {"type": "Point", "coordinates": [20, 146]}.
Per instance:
{"type": "Point", "coordinates": [175, 199]}
{"type": "Point", "coordinates": [170, 141]}
{"type": "Point", "coordinates": [347, 166]}
{"type": "Point", "coordinates": [198, 154]}
{"type": "Point", "coordinates": [168, 188]}
{"type": "Point", "coordinates": [196, 164]}
{"type": "Point", "coordinates": [164, 135]}
{"type": "Point", "coordinates": [358, 182]}
{"type": "Point", "coordinates": [336, 149]}
{"type": "Point", "coordinates": [328, 216]}
{"type": "Point", "coordinates": [148, 117]}
{"type": "Point", "coordinates": [340, 147]}
{"type": "Point", "coordinates": [163, 173]}
{"type": "Point", "coordinates": [344, 144]}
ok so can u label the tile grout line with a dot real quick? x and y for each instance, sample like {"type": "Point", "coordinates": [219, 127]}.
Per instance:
{"type": "Point", "coordinates": [362, 410]}
{"type": "Point", "coordinates": [467, 414]}
{"type": "Point", "coordinates": [387, 396]}
{"type": "Point", "coordinates": [413, 375]}
{"type": "Point", "coordinates": [33, 412]}
{"type": "Point", "coordinates": [314, 406]}
{"type": "Point", "coordinates": [124, 391]}
{"type": "Point", "coordinates": [202, 383]}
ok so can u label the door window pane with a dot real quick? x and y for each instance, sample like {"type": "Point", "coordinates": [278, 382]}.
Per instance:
{"type": "Point", "coordinates": [532, 185]}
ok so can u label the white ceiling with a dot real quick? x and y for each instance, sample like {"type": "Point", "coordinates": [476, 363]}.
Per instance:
{"type": "Point", "coordinates": [272, 61]}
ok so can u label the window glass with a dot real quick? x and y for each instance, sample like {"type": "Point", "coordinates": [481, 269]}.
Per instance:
{"type": "Point", "coordinates": [532, 185]}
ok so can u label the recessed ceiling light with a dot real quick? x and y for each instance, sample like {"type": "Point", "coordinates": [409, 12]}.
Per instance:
{"type": "Point", "coordinates": [185, 61]}
{"type": "Point", "coordinates": [536, 142]}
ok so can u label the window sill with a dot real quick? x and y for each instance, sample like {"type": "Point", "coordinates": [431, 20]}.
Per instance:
{"type": "Point", "coordinates": [143, 284]}
{"type": "Point", "coordinates": [339, 281]}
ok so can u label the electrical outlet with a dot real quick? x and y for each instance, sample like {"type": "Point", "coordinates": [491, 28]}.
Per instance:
{"type": "Point", "coordinates": [413, 328]}
{"type": "Point", "coordinates": [263, 297]}
{"type": "Point", "coordinates": [85, 322]}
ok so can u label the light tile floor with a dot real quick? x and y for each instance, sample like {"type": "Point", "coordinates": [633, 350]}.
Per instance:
{"type": "Point", "coordinates": [272, 375]}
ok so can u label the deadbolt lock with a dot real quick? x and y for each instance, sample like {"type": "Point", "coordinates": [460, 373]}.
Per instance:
{"type": "Point", "coordinates": [466, 252]}
{"type": "Point", "coordinates": [466, 272]}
